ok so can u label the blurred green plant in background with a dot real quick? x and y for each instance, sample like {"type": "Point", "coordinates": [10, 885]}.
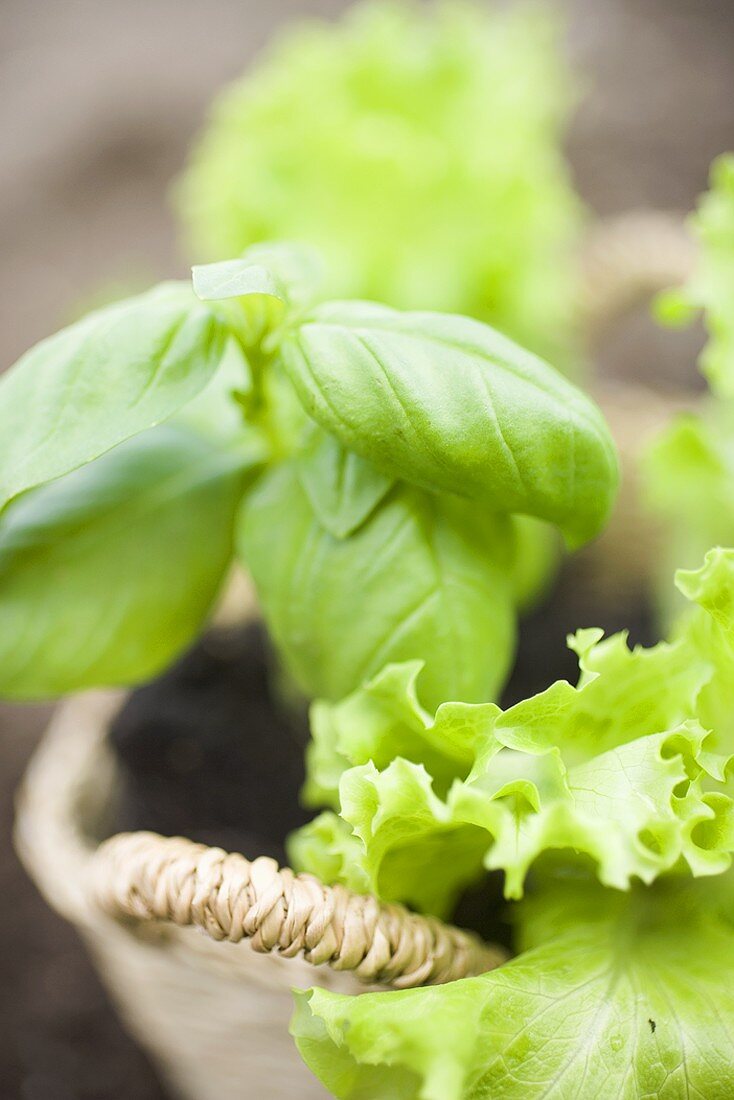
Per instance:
{"type": "Point", "coordinates": [419, 147]}
{"type": "Point", "coordinates": [690, 468]}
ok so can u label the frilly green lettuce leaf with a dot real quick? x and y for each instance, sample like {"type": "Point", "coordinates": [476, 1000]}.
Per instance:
{"type": "Point", "coordinates": [636, 810]}
{"type": "Point", "coordinates": [712, 588]}
{"type": "Point", "coordinates": [432, 175]}
{"type": "Point", "coordinates": [712, 285]}
{"type": "Point", "coordinates": [689, 482]}
{"type": "Point", "coordinates": [327, 847]}
{"type": "Point", "coordinates": [709, 636]}
{"type": "Point", "coordinates": [448, 404]}
{"type": "Point", "coordinates": [626, 997]}
{"type": "Point", "coordinates": [630, 767]}
{"type": "Point", "coordinates": [689, 470]}
{"type": "Point", "coordinates": [385, 719]}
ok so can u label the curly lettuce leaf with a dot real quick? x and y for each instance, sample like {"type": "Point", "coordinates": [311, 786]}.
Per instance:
{"type": "Point", "coordinates": [438, 129]}
{"type": "Point", "coordinates": [385, 719]}
{"type": "Point", "coordinates": [637, 811]}
{"type": "Point", "coordinates": [712, 285]}
{"type": "Point", "coordinates": [625, 996]}
{"type": "Point", "coordinates": [616, 769]}
{"type": "Point", "coordinates": [689, 483]}
{"type": "Point", "coordinates": [710, 636]}
{"type": "Point", "coordinates": [689, 471]}
{"type": "Point", "coordinates": [329, 849]}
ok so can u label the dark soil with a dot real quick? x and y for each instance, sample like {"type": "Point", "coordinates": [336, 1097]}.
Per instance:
{"type": "Point", "coordinates": [207, 754]}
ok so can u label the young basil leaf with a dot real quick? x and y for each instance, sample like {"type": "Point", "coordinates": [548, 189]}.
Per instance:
{"type": "Point", "coordinates": [93, 385]}
{"type": "Point", "coordinates": [268, 280]}
{"type": "Point", "coordinates": [285, 270]}
{"type": "Point", "coordinates": [344, 489]}
{"type": "Point", "coordinates": [447, 403]}
{"type": "Point", "coordinates": [107, 573]}
{"type": "Point", "coordinates": [235, 279]}
{"type": "Point", "coordinates": [426, 577]}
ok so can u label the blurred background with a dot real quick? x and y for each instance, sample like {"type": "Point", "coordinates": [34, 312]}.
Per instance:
{"type": "Point", "coordinates": [98, 104]}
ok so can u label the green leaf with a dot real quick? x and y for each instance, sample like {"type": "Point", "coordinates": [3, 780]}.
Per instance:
{"type": "Point", "coordinates": [95, 384]}
{"type": "Point", "coordinates": [629, 999]}
{"type": "Point", "coordinates": [433, 176]}
{"type": "Point", "coordinates": [448, 404]}
{"type": "Point", "coordinates": [216, 412]}
{"type": "Point", "coordinates": [614, 768]}
{"type": "Point", "coordinates": [343, 488]}
{"type": "Point", "coordinates": [712, 286]}
{"type": "Point", "coordinates": [425, 577]}
{"type": "Point", "coordinates": [538, 550]}
{"type": "Point", "coordinates": [689, 482]}
{"type": "Point", "coordinates": [260, 302]}
{"type": "Point", "coordinates": [327, 848]}
{"type": "Point", "coordinates": [636, 811]}
{"type": "Point", "coordinates": [689, 472]}
{"type": "Point", "coordinates": [414, 847]}
{"type": "Point", "coordinates": [235, 279]}
{"type": "Point", "coordinates": [709, 637]}
{"type": "Point", "coordinates": [291, 273]}
{"type": "Point", "coordinates": [712, 588]}
{"type": "Point", "coordinates": [268, 282]}
{"type": "Point", "coordinates": [384, 719]}
{"type": "Point", "coordinates": [109, 572]}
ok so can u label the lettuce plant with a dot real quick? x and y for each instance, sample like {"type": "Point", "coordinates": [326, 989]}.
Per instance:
{"type": "Point", "coordinates": [370, 466]}
{"type": "Point", "coordinates": [690, 468]}
{"type": "Point", "coordinates": [418, 146]}
{"type": "Point", "coordinates": [610, 804]}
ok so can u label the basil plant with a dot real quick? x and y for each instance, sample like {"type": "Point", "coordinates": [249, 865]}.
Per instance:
{"type": "Point", "coordinates": [371, 468]}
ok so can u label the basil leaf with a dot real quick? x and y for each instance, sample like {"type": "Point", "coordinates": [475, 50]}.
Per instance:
{"type": "Point", "coordinates": [425, 577]}
{"type": "Point", "coordinates": [119, 371]}
{"type": "Point", "coordinates": [287, 272]}
{"type": "Point", "coordinates": [447, 403]}
{"type": "Point", "coordinates": [344, 489]}
{"type": "Point", "coordinates": [108, 573]}
{"type": "Point", "coordinates": [268, 281]}
{"type": "Point", "coordinates": [234, 279]}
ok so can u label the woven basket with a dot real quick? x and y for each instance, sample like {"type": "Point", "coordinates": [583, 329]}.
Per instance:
{"type": "Point", "coordinates": [164, 918]}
